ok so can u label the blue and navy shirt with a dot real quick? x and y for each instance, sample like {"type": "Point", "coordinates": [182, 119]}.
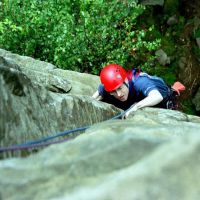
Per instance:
{"type": "Point", "coordinates": [139, 88]}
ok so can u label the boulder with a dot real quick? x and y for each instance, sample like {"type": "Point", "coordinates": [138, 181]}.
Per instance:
{"type": "Point", "coordinates": [30, 111]}
{"type": "Point", "coordinates": [53, 78]}
{"type": "Point", "coordinates": [154, 154]}
{"type": "Point", "coordinates": [162, 57]}
{"type": "Point", "coordinates": [144, 157]}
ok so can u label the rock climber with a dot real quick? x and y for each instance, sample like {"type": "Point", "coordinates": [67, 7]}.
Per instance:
{"type": "Point", "coordinates": [134, 89]}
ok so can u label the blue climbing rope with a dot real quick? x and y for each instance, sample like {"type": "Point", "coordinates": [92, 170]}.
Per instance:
{"type": "Point", "coordinates": [44, 141]}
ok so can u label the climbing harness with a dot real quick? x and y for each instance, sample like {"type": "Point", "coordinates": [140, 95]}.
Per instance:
{"type": "Point", "coordinates": [173, 93]}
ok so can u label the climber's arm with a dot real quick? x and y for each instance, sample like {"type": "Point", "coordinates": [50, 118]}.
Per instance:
{"type": "Point", "coordinates": [154, 97]}
{"type": "Point", "coordinates": [97, 96]}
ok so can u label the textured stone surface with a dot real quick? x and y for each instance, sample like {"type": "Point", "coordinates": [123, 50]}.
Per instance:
{"type": "Point", "coordinates": [144, 157]}
{"type": "Point", "coordinates": [154, 154]}
{"type": "Point", "coordinates": [29, 109]}
{"type": "Point", "coordinates": [52, 78]}
{"type": "Point", "coordinates": [162, 57]}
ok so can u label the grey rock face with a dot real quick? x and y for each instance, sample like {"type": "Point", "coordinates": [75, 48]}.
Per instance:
{"type": "Point", "coordinates": [154, 154]}
{"type": "Point", "coordinates": [144, 157]}
{"type": "Point", "coordinates": [29, 111]}
{"type": "Point", "coordinates": [54, 79]}
{"type": "Point", "coordinates": [162, 57]}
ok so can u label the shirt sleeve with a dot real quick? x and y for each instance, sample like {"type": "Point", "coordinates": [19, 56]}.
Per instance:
{"type": "Point", "coordinates": [145, 85]}
{"type": "Point", "coordinates": [101, 90]}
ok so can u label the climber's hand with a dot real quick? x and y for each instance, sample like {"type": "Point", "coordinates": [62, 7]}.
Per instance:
{"type": "Point", "coordinates": [132, 109]}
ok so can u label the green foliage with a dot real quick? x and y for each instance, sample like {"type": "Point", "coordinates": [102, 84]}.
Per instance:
{"type": "Point", "coordinates": [171, 6]}
{"type": "Point", "coordinates": [35, 21]}
{"type": "Point", "coordinates": [196, 49]}
{"type": "Point", "coordinates": [197, 33]}
{"type": "Point", "coordinates": [188, 107]}
{"type": "Point", "coordinates": [81, 35]}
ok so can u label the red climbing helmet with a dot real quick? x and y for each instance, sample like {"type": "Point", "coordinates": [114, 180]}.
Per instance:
{"type": "Point", "coordinates": [112, 76]}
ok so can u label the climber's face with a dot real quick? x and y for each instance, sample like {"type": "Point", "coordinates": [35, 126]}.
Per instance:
{"type": "Point", "coordinates": [121, 93]}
